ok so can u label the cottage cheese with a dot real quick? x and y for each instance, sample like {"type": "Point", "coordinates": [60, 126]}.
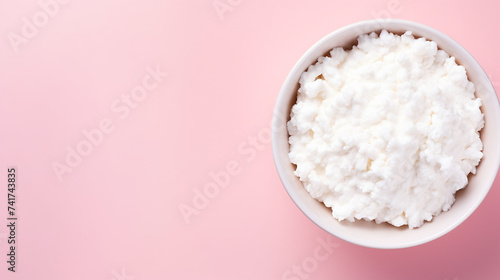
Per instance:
{"type": "Point", "coordinates": [387, 131]}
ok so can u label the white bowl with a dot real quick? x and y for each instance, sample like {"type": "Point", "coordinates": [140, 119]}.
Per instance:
{"type": "Point", "coordinates": [384, 235]}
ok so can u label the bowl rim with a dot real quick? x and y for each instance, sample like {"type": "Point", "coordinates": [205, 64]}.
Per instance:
{"type": "Point", "coordinates": [291, 82]}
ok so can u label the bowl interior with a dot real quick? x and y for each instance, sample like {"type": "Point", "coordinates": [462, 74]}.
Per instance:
{"type": "Point", "coordinates": [384, 235]}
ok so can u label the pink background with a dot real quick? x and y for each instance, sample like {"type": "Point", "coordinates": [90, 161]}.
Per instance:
{"type": "Point", "coordinates": [116, 215]}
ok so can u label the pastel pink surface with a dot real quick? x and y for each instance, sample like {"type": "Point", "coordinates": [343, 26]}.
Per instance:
{"type": "Point", "coordinates": [117, 213]}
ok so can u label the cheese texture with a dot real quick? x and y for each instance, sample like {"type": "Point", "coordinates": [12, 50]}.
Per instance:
{"type": "Point", "coordinates": [387, 131]}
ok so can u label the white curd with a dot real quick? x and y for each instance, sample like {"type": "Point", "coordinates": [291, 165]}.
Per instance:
{"type": "Point", "coordinates": [387, 131]}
